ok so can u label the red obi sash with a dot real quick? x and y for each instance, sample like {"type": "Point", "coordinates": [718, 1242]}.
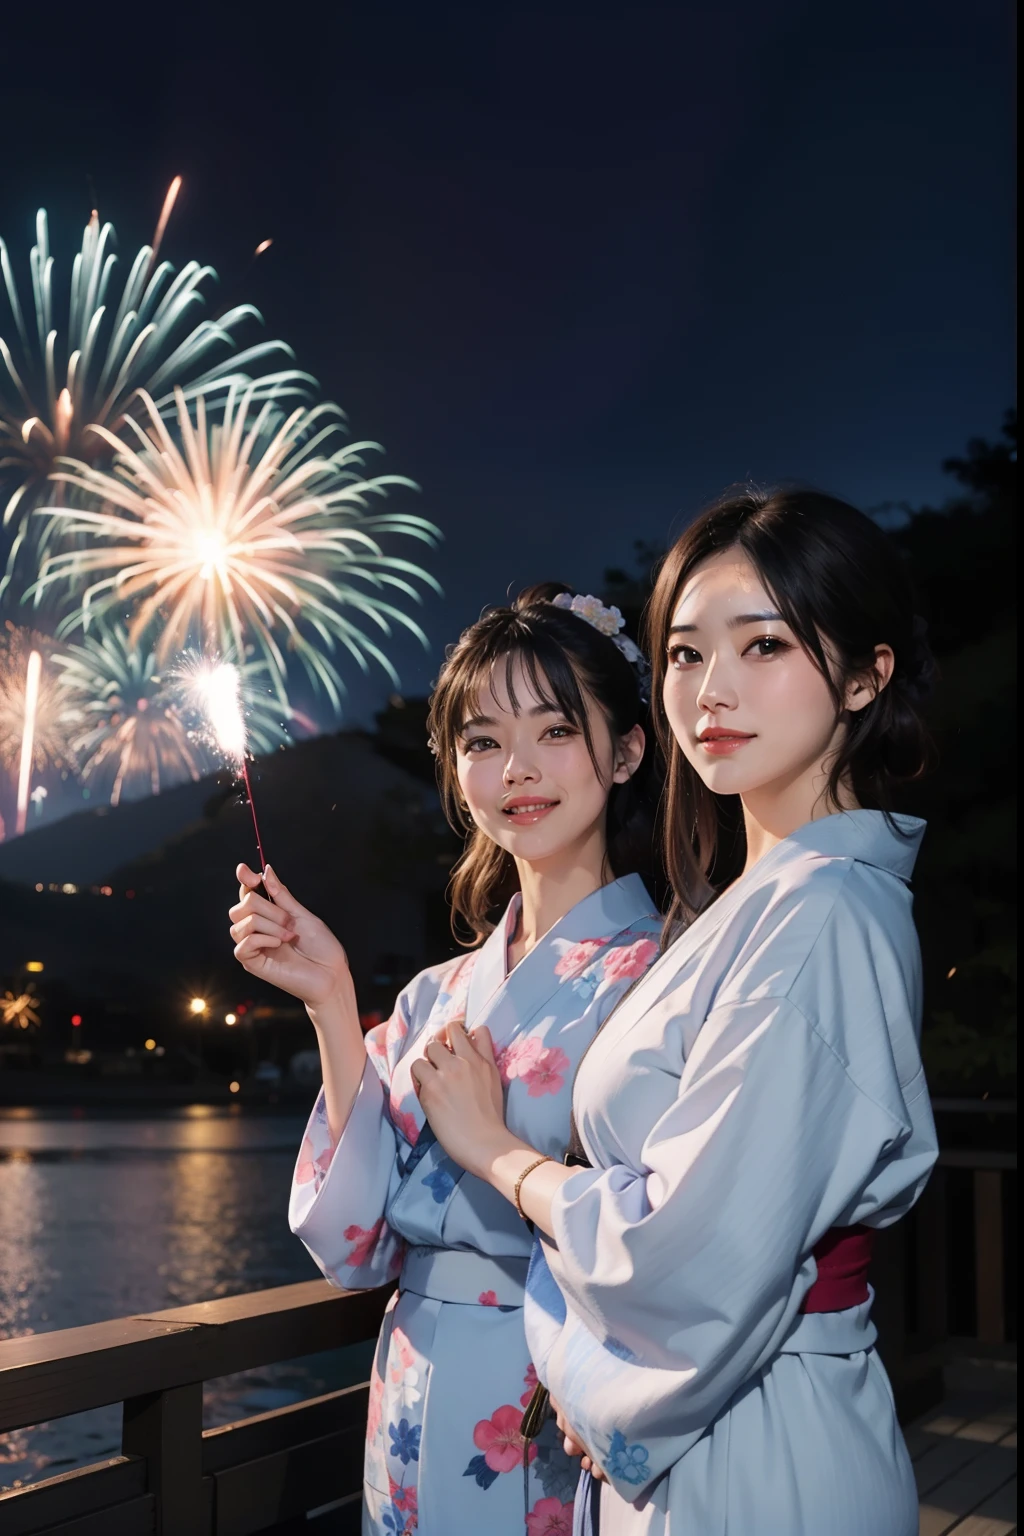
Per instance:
{"type": "Point", "coordinates": [842, 1256]}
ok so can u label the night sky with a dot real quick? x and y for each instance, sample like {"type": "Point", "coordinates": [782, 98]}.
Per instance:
{"type": "Point", "coordinates": [577, 266]}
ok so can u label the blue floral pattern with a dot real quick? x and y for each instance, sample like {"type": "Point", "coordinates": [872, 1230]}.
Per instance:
{"type": "Point", "coordinates": [440, 1183]}
{"type": "Point", "coordinates": [626, 1462]}
{"type": "Point", "coordinates": [405, 1441]}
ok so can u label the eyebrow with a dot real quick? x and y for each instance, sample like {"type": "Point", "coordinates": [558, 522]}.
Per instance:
{"type": "Point", "coordinates": [734, 623]}
{"type": "Point", "coordinates": [538, 709]}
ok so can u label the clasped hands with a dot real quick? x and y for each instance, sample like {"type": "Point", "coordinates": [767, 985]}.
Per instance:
{"type": "Point", "coordinates": [459, 1088]}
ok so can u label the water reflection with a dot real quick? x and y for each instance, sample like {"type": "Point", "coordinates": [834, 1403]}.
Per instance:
{"type": "Point", "coordinates": [104, 1217]}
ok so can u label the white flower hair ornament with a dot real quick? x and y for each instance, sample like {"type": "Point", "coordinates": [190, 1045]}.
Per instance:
{"type": "Point", "coordinates": [609, 621]}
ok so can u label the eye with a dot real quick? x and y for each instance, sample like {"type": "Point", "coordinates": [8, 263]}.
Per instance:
{"type": "Point", "coordinates": [683, 656]}
{"type": "Point", "coordinates": [767, 645]}
{"type": "Point", "coordinates": [560, 732]}
{"type": "Point", "coordinates": [478, 744]}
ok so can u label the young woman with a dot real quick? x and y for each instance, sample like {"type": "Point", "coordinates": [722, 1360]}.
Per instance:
{"type": "Point", "coordinates": [756, 1108]}
{"type": "Point", "coordinates": [536, 726]}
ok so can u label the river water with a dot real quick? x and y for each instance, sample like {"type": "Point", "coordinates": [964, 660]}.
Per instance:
{"type": "Point", "coordinates": [105, 1215]}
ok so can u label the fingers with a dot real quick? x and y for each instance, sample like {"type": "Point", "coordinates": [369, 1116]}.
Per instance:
{"type": "Point", "coordinates": [247, 878]}
{"type": "Point", "coordinates": [436, 1052]}
{"type": "Point", "coordinates": [461, 1044]}
{"type": "Point", "coordinates": [484, 1044]}
{"type": "Point", "coordinates": [283, 897]}
{"type": "Point", "coordinates": [253, 948]}
{"type": "Point", "coordinates": [249, 901]}
{"type": "Point", "coordinates": [255, 922]}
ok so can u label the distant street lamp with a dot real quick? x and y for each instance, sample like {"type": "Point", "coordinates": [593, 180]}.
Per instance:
{"type": "Point", "coordinates": [198, 1005]}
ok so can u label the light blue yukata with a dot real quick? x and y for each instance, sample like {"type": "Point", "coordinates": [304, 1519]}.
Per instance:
{"type": "Point", "coordinates": [452, 1374]}
{"type": "Point", "coordinates": [759, 1086]}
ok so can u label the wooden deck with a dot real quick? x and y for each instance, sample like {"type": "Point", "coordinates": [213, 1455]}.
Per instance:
{"type": "Point", "coordinates": [965, 1453]}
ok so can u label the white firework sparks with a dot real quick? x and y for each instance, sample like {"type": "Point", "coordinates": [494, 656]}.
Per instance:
{"type": "Point", "coordinates": [254, 531]}
{"type": "Point", "coordinates": [53, 390]}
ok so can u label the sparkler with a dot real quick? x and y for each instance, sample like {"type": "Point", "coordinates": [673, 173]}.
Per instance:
{"type": "Point", "coordinates": [145, 337]}
{"type": "Point", "coordinates": [253, 528]}
{"type": "Point", "coordinates": [218, 690]}
{"type": "Point", "coordinates": [128, 720]}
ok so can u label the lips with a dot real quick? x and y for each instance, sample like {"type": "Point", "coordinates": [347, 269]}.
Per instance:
{"type": "Point", "coordinates": [527, 811]}
{"type": "Point", "coordinates": [720, 742]}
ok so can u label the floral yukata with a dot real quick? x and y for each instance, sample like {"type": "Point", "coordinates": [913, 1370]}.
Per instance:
{"type": "Point", "coordinates": [760, 1086]}
{"type": "Point", "coordinates": [452, 1374]}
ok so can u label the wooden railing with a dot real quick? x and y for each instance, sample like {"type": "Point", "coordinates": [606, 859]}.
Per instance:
{"type": "Point", "coordinates": [267, 1473]}
{"type": "Point", "coordinates": [173, 1478]}
{"type": "Point", "coordinates": [944, 1279]}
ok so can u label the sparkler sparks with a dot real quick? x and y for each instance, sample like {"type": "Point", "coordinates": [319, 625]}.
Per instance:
{"type": "Point", "coordinates": [51, 395]}
{"type": "Point", "coordinates": [253, 529]}
{"type": "Point", "coordinates": [217, 688]}
{"type": "Point", "coordinates": [130, 726]}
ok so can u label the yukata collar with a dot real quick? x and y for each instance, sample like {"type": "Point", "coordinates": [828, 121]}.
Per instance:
{"type": "Point", "coordinates": [868, 837]}
{"type": "Point", "coordinates": [600, 915]}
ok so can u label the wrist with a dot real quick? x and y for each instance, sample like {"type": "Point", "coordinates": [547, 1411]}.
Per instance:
{"type": "Point", "coordinates": [505, 1158]}
{"type": "Point", "coordinates": [335, 1012]}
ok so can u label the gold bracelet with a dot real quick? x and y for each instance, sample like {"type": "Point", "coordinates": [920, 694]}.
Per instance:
{"type": "Point", "coordinates": [519, 1183]}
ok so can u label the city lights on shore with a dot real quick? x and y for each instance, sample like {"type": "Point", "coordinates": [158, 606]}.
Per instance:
{"type": "Point", "coordinates": [231, 1018]}
{"type": "Point", "coordinates": [198, 1005]}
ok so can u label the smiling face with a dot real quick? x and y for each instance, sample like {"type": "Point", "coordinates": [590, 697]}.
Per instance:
{"type": "Point", "coordinates": [527, 774]}
{"type": "Point", "coordinates": [749, 708]}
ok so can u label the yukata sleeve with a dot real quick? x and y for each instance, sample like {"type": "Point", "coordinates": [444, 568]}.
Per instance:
{"type": "Point", "coordinates": [340, 1191]}
{"type": "Point", "coordinates": [681, 1278]}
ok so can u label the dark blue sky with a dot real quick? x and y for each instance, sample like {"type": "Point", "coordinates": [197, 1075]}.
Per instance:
{"type": "Point", "coordinates": [576, 265]}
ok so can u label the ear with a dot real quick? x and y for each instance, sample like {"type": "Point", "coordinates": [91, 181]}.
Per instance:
{"type": "Point", "coordinates": [629, 751]}
{"type": "Point", "coordinates": [867, 685]}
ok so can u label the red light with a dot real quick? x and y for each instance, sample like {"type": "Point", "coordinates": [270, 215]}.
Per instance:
{"type": "Point", "coordinates": [76, 1019]}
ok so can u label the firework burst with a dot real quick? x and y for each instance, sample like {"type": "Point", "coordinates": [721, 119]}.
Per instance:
{"type": "Point", "coordinates": [51, 748]}
{"type": "Point", "coordinates": [147, 336]}
{"type": "Point", "coordinates": [255, 531]}
{"type": "Point", "coordinates": [20, 1010]}
{"type": "Point", "coordinates": [130, 725]}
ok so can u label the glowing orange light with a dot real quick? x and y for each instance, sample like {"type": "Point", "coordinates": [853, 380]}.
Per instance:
{"type": "Point", "coordinates": [234, 1087]}
{"type": "Point", "coordinates": [951, 973]}
{"type": "Point", "coordinates": [34, 965]}
{"type": "Point", "coordinates": [264, 245]}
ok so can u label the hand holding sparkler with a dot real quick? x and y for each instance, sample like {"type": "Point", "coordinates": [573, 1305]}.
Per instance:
{"type": "Point", "coordinates": [284, 943]}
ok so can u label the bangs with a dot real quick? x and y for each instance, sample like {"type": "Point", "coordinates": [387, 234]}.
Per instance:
{"type": "Point", "coordinates": [549, 674]}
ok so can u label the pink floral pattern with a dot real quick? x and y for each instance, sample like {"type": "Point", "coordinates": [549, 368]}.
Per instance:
{"type": "Point", "coordinates": [405, 1121]}
{"type": "Point", "coordinates": [629, 961]}
{"type": "Point", "coordinates": [549, 1517]}
{"type": "Point", "coordinates": [403, 1496]}
{"type": "Point", "coordinates": [376, 1403]}
{"type": "Point", "coordinates": [531, 1383]}
{"type": "Point", "coordinates": [309, 1166]}
{"type": "Point", "coordinates": [542, 1068]}
{"type": "Point", "coordinates": [499, 1439]}
{"type": "Point", "coordinates": [364, 1240]}
{"type": "Point", "coordinates": [488, 1298]}
{"type": "Point", "coordinates": [578, 956]}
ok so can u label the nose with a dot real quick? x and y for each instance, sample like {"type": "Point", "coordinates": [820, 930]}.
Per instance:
{"type": "Point", "coordinates": [519, 769]}
{"type": "Point", "coordinates": [716, 690]}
